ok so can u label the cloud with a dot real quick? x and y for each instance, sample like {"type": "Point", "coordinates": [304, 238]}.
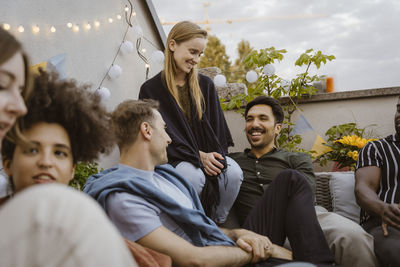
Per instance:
{"type": "Point", "coordinates": [362, 34]}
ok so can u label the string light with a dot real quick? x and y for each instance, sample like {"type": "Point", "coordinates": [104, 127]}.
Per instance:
{"type": "Point", "coordinates": [6, 26]}
{"type": "Point", "coordinates": [114, 70]}
{"type": "Point", "coordinates": [35, 29]}
{"type": "Point", "coordinates": [75, 28]}
{"type": "Point", "coordinates": [70, 24]}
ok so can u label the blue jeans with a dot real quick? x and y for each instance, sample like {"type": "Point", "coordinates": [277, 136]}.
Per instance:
{"type": "Point", "coordinates": [228, 190]}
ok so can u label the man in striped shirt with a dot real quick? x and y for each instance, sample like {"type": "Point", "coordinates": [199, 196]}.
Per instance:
{"type": "Point", "coordinates": [378, 193]}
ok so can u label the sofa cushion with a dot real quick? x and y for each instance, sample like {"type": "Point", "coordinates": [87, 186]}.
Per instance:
{"type": "Point", "coordinates": [342, 192]}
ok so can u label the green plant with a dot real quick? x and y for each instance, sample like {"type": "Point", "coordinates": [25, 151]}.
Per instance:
{"type": "Point", "coordinates": [82, 171]}
{"type": "Point", "coordinates": [344, 141]}
{"type": "Point", "coordinates": [270, 84]}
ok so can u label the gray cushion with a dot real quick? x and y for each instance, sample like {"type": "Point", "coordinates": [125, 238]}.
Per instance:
{"type": "Point", "coordinates": [344, 203]}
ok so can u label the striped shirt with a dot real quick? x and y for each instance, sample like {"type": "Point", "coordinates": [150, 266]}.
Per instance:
{"type": "Point", "coordinates": [385, 154]}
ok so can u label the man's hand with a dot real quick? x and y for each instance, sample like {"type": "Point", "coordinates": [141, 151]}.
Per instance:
{"type": "Point", "coordinates": [390, 216]}
{"type": "Point", "coordinates": [211, 165]}
{"type": "Point", "coordinates": [260, 246]}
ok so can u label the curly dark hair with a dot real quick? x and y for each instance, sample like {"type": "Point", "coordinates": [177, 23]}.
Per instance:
{"type": "Point", "coordinates": [75, 108]}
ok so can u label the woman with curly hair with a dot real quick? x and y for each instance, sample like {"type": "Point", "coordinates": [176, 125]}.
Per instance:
{"type": "Point", "coordinates": [50, 225]}
{"type": "Point", "coordinates": [65, 124]}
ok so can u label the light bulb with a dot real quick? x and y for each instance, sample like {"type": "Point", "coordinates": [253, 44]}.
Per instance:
{"type": "Point", "coordinates": [147, 66]}
{"type": "Point", "coordinates": [35, 29]}
{"type": "Point", "coordinates": [110, 20]}
{"type": "Point", "coordinates": [75, 28]}
{"type": "Point", "coordinates": [134, 14]}
{"type": "Point", "coordinates": [119, 16]}
{"type": "Point", "coordinates": [6, 26]}
{"type": "Point", "coordinates": [21, 28]}
{"type": "Point", "coordinates": [96, 23]}
{"type": "Point", "coordinates": [88, 26]}
{"type": "Point", "coordinates": [53, 29]}
{"type": "Point", "coordinates": [126, 9]}
{"type": "Point", "coordinates": [143, 50]}
{"type": "Point", "coordinates": [69, 25]}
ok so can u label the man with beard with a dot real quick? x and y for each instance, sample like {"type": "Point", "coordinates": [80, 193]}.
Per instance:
{"type": "Point", "coordinates": [378, 193]}
{"type": "Point", "coordinates": [263, 163]}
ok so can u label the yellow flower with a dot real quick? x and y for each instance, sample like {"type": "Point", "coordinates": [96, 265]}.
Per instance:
{"type": "Point", "coordinates": [353, 154]}
{"type": "Point", "coordinates": [353, 140]}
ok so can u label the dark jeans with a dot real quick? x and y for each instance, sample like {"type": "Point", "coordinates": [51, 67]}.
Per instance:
{"type": "Point", "coordinates": [287, 210]}
{"type": "Point", "coordinates": [387, 248]}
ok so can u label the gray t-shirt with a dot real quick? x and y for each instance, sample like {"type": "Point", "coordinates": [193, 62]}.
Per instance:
{"type": "Point", "coordinates": [135, 217]}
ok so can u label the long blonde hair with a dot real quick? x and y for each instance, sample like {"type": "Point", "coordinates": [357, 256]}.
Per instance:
{"type": "Point", "coordinates": [182, 32]}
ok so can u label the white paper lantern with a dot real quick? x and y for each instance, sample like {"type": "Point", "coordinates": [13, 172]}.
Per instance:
{"type": "Point", "coordinates": [251, 76]}
{"type": "Point", "coordinates": [127, 47]}
{"type": "Point", "coordinates": [114, 72]}
{"type": "Point", "coordinates": [269, 70]}
{"type": "Point", "coordinates": [135, 32]}
{"type": "Point", "coordinates": [220, 80]}
{"type": "Point", "coordinates": [157, 57]}
{"type": "Point", "coordinates": [104, 93]}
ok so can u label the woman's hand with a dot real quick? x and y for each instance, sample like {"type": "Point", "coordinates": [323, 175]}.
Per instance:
{"type": "Point", "coordinates": [211, 165]}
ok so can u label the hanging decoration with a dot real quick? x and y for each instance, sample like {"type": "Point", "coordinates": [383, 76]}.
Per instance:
{"type": "Point", "coordinates": [134, 32]}
{"type": "Point", "coordinates": [104, 93]}
{"type": "Point", "coordinates": [219, 80]}
{"type": "Point", "coordinates": [114, 72]}
{"type": "Point", "coordinates": [251, 76]}
{"type": "Point", "coordinates": [157, 57]}
{"type": "Point", "coordinates": [127, 47]}
{"type": "Point", "coordinates": [85, 25]}
{"type": "Point", "coordinates": [269, 70]}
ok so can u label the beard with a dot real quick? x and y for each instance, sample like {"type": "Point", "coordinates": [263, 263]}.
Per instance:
{"type": "Point", "coordinates": [264, 139]}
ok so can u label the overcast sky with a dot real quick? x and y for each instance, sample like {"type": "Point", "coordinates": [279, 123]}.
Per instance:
{"type": "Point", "coordinates": [364, 35]}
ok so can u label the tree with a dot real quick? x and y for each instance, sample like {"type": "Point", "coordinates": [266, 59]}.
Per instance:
{"type": "Point", "coordinates": [268, 83]}
{"type": "Point", "coordinates": [215, 56]}
{"type": "Point", "coordinates": [239, 69]}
